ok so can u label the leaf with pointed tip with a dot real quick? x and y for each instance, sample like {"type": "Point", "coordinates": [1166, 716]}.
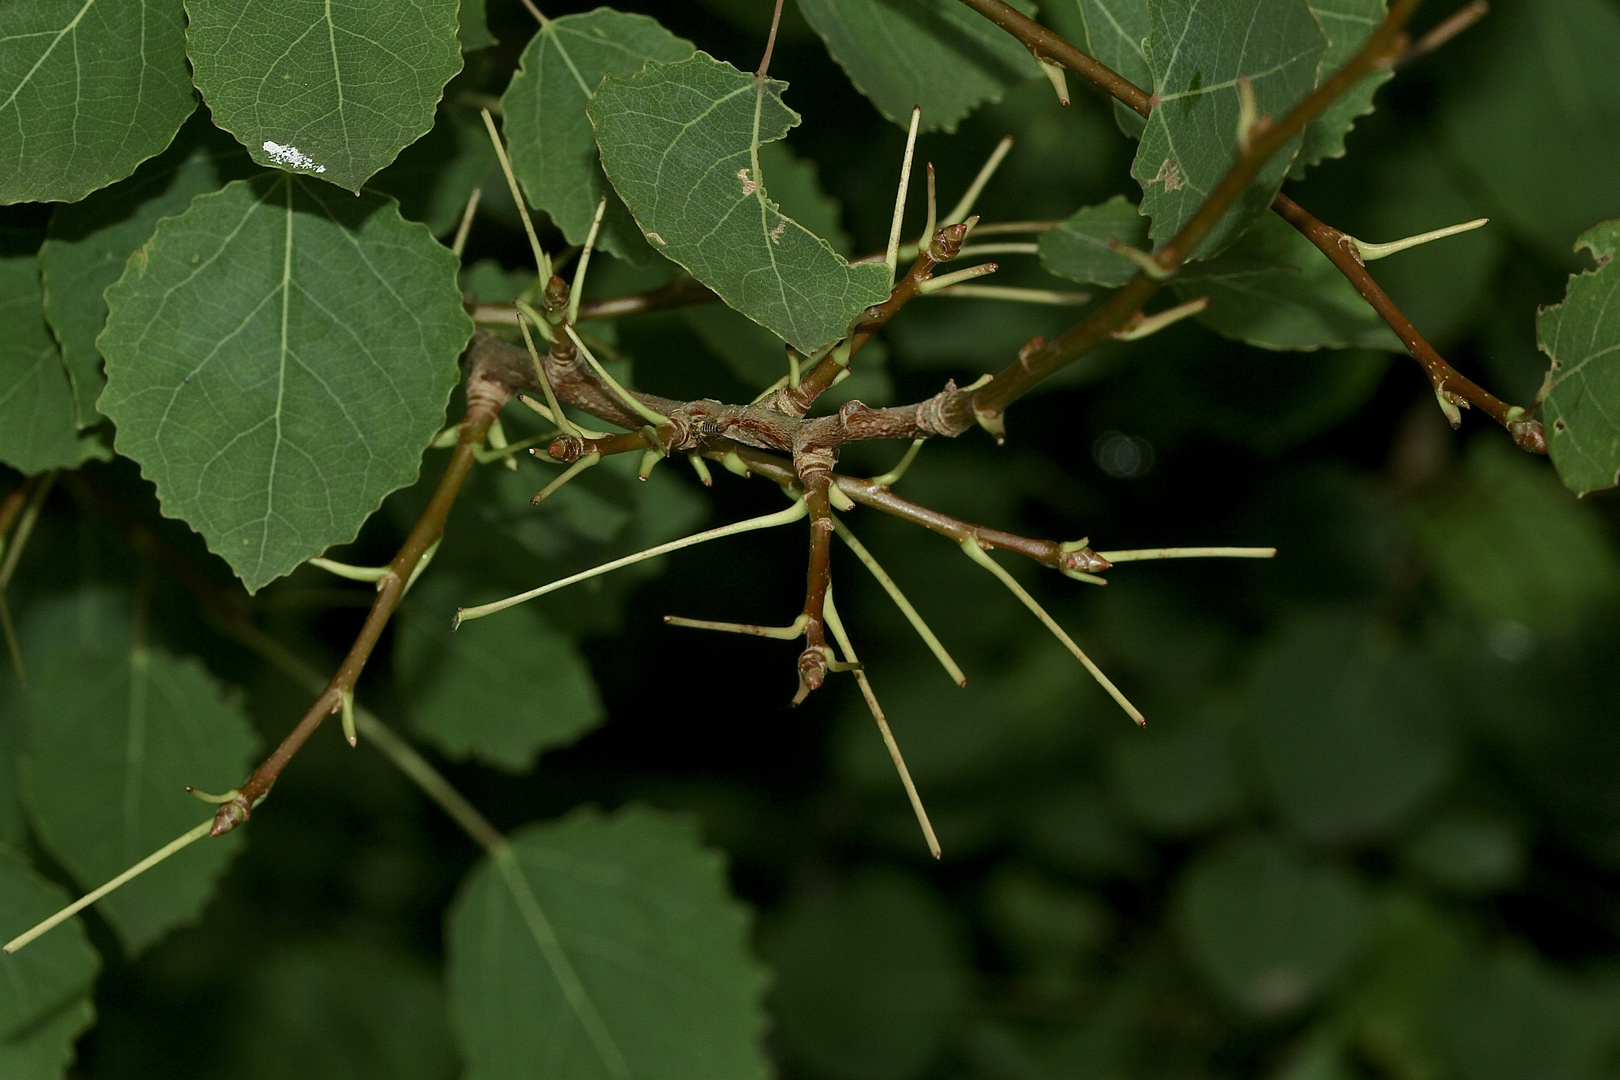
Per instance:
{"type": "Point", "coordinates": [680, 141]}
{"type": "Point", "coordinates": [1347, 24]}
{"type": "Point", "coordinates": [1078, 248]}
{"type": "Point", "coordinates": [278, 357]}
{"type": "Point", "coordinates": [496, 690]}
{"type": "Point", "coordinates": [1198, 50]}
{"type": "Point", "coordinates": [45, 995]}
{"type": "Point", "coordinates": [603, 947]}
{"type": "Point", "coordinates": [88, 242]}
{"type": "Point", "coordinates": [336, 90]}
{"type": "Point", "coordinates": [1116, 35]}
{"type": "Point", "coordinates": [115, 733]}
{"type": "Point", "coordinates": [1274, 289]}
{"type": "Point", "coordinates": [553, 151]}
{"type": "Point", "coordinates": [901, 53]}
{"type": "Point", "coordinates": [1581, 399]}
{"type": "Point", "coordinates": [88, 91]}
{"type": "Point", "coordinates": [37, 429]}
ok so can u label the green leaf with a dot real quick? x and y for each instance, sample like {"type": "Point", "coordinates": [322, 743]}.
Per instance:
{"type": "Point", "coordinates": [116, 733]}
{"type": "Point", "coordinates": [604, 946]}
{"type": "Point", "coordinates": [1347, 24]}
{"type": "Point", "coordinates": [680, 143]}
{"type": "Point", "coordinates": [901, 53]}
{"type": "Point", "coordinates": [88, 91]}
{"type": "Point", "coordinates": [1581, 397]}
{"type": "Point", "coordinates": [1198, 50]}
{"type": "Point", "coordinates": [870, 979]}
{"type": "Point", "coordinates": [37, 429]}
{"type": "Point", "coordinates": [1536, 127]}
{"type": "Point", "coordinates": [1116, 35]}
{"type": "Point", "coordinates": [498, 691]}
{"type": "Point", "coordinates": [1273, 288]}
{"type": "Point", "coordinates": [1348, 729]}
{"type": "Point", "coordinates": [45, 993]}
{"type": "Point", "coordinates": [88, 242]}
{"type": "Point", "coordinates": [317, 88]}
{"type": "Point", "coordinates": [1510, 544]}
{"type": "Point", "coordinates": [552, 147]}
{"type": "Point", "coordinates": [1078, 248]}
{"type": "Point", "coordinates": [343, 1011]}
{"type": "Point", "coordinates": [277, 358]}
{"type": "Point", "coordinates": [1268, 930]}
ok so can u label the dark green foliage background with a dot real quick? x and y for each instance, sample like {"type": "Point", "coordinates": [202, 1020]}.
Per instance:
{"type": "Point", "coordinates": [1371, 830]}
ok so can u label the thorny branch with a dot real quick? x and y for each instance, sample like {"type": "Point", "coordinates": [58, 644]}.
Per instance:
{"type": "Point", "coordinates": [800, 453]}
{"type": "Point", "coordinates": [1451, 387]}
{"type": "Point", "coordinates": [485, 396]}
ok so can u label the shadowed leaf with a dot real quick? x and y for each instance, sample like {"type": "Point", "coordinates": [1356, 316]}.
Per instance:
{"type": "Point", "coordinates": [680, 143]}
{"type": "Point", "coordinates": [277, 358]}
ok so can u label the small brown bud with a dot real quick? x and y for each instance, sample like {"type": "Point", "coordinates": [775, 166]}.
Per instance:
{"type": "Point", "coordinates": [556, 295]}
{"type": "Point", "coordinates": [948, 241]}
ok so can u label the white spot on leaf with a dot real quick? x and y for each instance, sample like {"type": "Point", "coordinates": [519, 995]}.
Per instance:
{"type": "Point", "coordinates": [749, 187]}
{"type": "Point", "coordinates": [291, 156]}
{"type": "Point", "coordinates": [776, 233]}
{"type": "Point", "coordinates": [1169, 174]}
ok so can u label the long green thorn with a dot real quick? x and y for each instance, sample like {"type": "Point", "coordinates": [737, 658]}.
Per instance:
{"type": "Point", "coordinates": [837, 626]}
{"type": "Point", "coordinates": [1142, 554]}
{"type": "Point", "coordinates": [650, 415]}
{"type": "Point", "coordinates": [184, 840]}
{"type": "Point", "coordinates": [542, 262]}
{"type": "Point", "coordinates": [766, 521]}
{"type": "Point", "coordinates": [578, 288]}
{"type": "Point", "coordinates": [900, 601]}
{"type": "Point", "coordinates": [892, 477]}
{"type": "Point", "coordinates": [567, 474]}
{"type": "Point", "coordinates": [780, 633]}
{"type": "Point", "coordinates": [978, 555]}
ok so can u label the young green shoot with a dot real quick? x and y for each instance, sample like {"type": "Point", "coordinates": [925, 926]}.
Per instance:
{"type": "Point", "coordinates": [542, 263]}
{"type": "Point", "coordinates": [346, 700]}
{"type": "Point", "coordinates": [964, 205]}
{"type": "Point", "coordinates": [459, 244]}
{"type": "Point", "coordinates": [348, 572]}
{"type": "Point", "coordinates": [978, 555]}
{"type": "Point", "coordinates": [764, 521]}
{"type": "Point", "coordinates": [916, 620]}
{"type": "Point", "coordinates": [567, 474]}
{"type": "Point", "coordinates": [701, 467]}
{"type": "Point", "coordinates": [931, 224]}
{"type": "Point", "coordinates": [184, 840]}
{"type": "Point", "coordinates": [1019, 248]}
{"type": "Point", "coordinates": [1058, 77]}
{"type": "Point", "coordinates": [1142, 554]}
{"type": "Point", "coordinates": [1144, 262]}
{"type": "Point", "coordinates": [497, 442]}
{"type": "Point", "coordinates": [781, 633]}
{"type": "Point", "coordinates": [934, 285]}
{"type": "Point", "coordinates": [1015, 294]}
{"type": "Point", "coordinates": [892, 477]}
{"type": "Point", "coordinates": [1370, 252]}
{"type": "Point", "coordinates": [891, 256]}
{"type": "Point", "coordinates": [577, 289]}
{"type": "Point", "coordinates": [836, 625]}
{"type": "Point", "coordinates": [557, 416]}
{"type": "Point", "coordinates": [1147, 325]}
{"type": "Point", "coordinates": [650, 415]}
